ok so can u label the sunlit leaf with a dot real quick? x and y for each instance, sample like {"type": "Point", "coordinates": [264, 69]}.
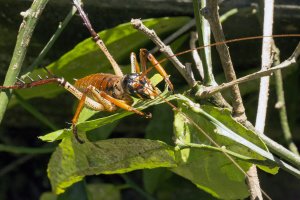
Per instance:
{"type": "Point", "coordinates": [93, 124]}
{"type": "Point", "coordinates": [213, 171]}
{"type": "Point", "coordinates": [72, 161]}
{"type": "Point", "coordinates": [103, 191]}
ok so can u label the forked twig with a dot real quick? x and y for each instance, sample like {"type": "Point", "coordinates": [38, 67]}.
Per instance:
{"type": "Point", "coordinates": [212, 15]}
{"type": "Point", "coordinates": [138, 24]}
{"type": "Point", "coordinates": [209, 91]}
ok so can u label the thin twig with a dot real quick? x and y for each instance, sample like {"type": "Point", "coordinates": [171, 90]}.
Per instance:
{"type": "Point", "coordinates": [11, 166]}
{"type": "Point", "coordinates": [196, 57]}
{"type": "Point", "coordinates": [137, 24]}
{"type": "Point", "coordinates": [51, 41]}
{"type": "Point", "coordinates": [266, 64]}
{"type": "Point", "coordinates": [280, 105]}
{"type": "Point", "coordinates": [292, 60]}
{"type": "Point", "coordinates": [32, 110]}
{"type": "Point", "coordinates": [30, 18]}
{"type": "Point", "coordinates": [25, 150]}
{"type": "Point", "coordinates": [188, 67]}
{"type": "Point", "coordinates": [175, 35]}
{"type": "Point", "coordinates": [210, 12]}
{"type": "Point", "coordinates": [276, 148]}
{"type": "Point", "coordinates": [263, 90]}
{"type": "Point", "coordinates": [204, 35]}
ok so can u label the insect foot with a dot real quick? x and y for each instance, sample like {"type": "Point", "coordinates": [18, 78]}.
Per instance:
{"type": "Point", "coordinates": [76, 134]}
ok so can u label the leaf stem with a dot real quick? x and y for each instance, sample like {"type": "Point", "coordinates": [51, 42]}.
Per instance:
{"type": "Point", "coordinates": [280, 105]}
{"type": "Point", "coordinates": [32, 110]}
{"type": "Point", "coordinates": [25, 150]}
{"type": "Point", "coordinates": [137, 188]}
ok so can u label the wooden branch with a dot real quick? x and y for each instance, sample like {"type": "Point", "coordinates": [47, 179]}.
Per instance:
{"type": "Point", "coordinates": [209, 91]}
{"type": "Point", "coordinates": [138, 24]}
{"type": "Point", "coordinates": [210, 12]}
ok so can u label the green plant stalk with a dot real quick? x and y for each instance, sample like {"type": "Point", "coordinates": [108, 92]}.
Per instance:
{"type": "Point", "coordinates": [32, 110]}
{"type": "Point", "coordinates": [36, 62]}
{"type": "Point", "coordinates": [14, 164]}
{"type": "Point", "coordinates": [218, 149]}
{"type": "Point", "coordinates": [203, 30]}
{"type": "Point", "coordinates": [30, 18]}
{"type": "Point", "coordinates": [25, 150]}
{"type": "Point", "coordinates": [203, 40]}
{"type": "Point", "coordinates": [134, 186]}
{"type": "Point", "coordinates": [51, 41]}
{"type": "Point", "coordinates": [282, 113]}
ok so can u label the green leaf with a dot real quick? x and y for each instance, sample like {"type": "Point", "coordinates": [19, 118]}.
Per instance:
{"type": "Point", "coordinates": [96, 123]}
{"type": "Point", "coordinates": [78, 191]}
{"type": "Point", "coordinates": [72, 161]}
{"type": "Point", "coordinates": [159, 128]}
{"type": "Point", "coordinates": [210, 170]}
{"type": "Point", "coordinates": [101, 191]}
{"type": "Point", "coordinates": [48, 196]}
{"type": "Point", "coordinates": [86, 58]}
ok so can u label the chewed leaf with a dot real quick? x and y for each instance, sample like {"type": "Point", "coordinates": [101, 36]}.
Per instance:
{"type": "Point", "coordinates": [72, 161]}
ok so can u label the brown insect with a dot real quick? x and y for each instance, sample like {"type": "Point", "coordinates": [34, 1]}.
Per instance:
{"type": "Point", "coordinates": [107, 92]}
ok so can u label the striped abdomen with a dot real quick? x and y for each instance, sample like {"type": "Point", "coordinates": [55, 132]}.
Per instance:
{"type": "Point", "coordinates": [108, 83]}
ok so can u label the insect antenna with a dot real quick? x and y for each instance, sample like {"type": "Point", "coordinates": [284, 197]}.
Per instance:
{"type": "Point", "coordinates": [229, 41]}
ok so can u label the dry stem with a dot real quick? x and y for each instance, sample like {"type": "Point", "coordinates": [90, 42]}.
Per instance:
{"type": "Point", "coordinates": [209, 91]}
{"type": "Point", "coordinates": [212, 15]}
{"type": "Point", "coordinates": [137, 24]}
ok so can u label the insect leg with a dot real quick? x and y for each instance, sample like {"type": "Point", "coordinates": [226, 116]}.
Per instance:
{"type": "Point", "coordinates": [84, 100]}
{"type": "Point", "coordinates": [145, 54]}
{"type": "Point", "coordinates": [22, 84]}
{"type": "Point", "coordinates": [135, 68]}
{"type": "Point", "coordinates": [76, 116]}
{"type": "Point", "coordinates": [116, 102]}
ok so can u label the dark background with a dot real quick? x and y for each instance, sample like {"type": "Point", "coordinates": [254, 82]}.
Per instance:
{"type": "Point", "coordinates": [24, 176]}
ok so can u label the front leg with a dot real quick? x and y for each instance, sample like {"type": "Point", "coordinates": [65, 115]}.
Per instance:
{"type": "Point", "coordinates": [103, 97]}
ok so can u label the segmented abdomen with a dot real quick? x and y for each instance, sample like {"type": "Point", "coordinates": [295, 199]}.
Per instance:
{"type": "Point", "coordinates": [108, 83]}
